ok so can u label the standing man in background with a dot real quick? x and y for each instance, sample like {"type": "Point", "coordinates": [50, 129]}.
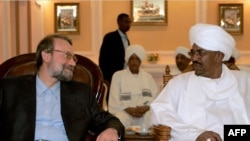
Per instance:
{"type": "Point", "coordinates": [112, 51]}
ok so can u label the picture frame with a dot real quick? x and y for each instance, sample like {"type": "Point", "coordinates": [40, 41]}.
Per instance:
{"type": "Point", "coordinates": [231, 18]}
{"type": "Point", "coordinates": [149, 12]}
{"type": "Point", "coordinates": [67, 18]}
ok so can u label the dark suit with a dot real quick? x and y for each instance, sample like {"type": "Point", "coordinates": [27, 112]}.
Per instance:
{"type": "Point", "coordinates": [79, 110]}
{"type": "Point", "coordinates": [112, 54]}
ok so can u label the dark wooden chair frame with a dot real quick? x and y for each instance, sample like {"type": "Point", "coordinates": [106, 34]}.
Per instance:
{"type": "Point", "coordinates": [11, 67]}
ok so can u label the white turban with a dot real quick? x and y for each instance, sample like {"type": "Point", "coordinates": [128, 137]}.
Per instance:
{"type": "Point", "coordinates": [236, 54]}
{"type": "Point", "coordinates": [135, 49]}
{"type": "Point", "coordinates": [212, 37]}
{"type": "Point", "coordinates": [182, 50]}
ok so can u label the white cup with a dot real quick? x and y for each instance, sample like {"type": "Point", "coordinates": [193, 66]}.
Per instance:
{"type": "Point", "coordinates": [144, 128]}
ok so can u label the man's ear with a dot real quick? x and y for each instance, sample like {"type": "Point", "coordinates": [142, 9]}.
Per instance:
{"type": "Point", "coordinates": [46, 56]}
{"type": "Point", "coordinates": [220, 56]}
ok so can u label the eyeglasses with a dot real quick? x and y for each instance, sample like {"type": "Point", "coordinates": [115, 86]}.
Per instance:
{"type": "Point", "coordinates": [199, 53]}
{"type": "Point", "coordinates": [67, 55]}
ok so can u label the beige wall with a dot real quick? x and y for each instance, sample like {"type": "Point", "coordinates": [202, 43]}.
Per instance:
{"type": "Point", "coordinates": [164, 38]}
{"type": "Point", "coordinates": [97, 17]}
{"type": "Point", "coordinates": [242, 40]}
{"type": "Point", "coordinates": [156, 39]}
{"type": "Point", "coordinates": [153, 38]}
{"type": "Point", "coordinates": [81, 42]}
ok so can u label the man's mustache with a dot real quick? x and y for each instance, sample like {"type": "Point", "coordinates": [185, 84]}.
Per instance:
{"type": "Point", "coordinates": [70, 67]}
{"type": "Point", "coordinates": [196, 62]}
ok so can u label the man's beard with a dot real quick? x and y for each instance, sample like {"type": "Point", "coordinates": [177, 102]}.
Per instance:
{"type": "Point", "coordinates": [64, 75]}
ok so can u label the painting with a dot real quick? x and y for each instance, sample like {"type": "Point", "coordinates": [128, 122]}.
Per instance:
{"type": "Point", "coordinates": [67, 18]}
{"type": "Point", "coordinates": [149, 12]}
{"type": "Point", "coordinates": [231, 18]}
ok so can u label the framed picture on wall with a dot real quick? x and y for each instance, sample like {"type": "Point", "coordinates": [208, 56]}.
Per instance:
{"type": "Point", "coordinates": [67, 18]}
{"type": "Point", "coordinates": [149, 12]}
{"type": "Point", "coordinates": [231, 18]}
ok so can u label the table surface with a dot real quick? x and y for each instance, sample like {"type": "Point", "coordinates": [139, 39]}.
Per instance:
{"type": "Point", "coordinates": [137, 137]}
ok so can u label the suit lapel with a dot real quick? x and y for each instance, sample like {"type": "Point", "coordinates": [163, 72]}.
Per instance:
{"type": "Point", "coordinates": [67, 105]}
{"type": "Point", "coordinates": [29, 101]}
{"type": "Point", "coordinates": [67, 100]}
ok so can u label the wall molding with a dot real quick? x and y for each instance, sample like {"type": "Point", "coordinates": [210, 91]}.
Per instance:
{"type": "Point", "coordinates": [6, 34]}
{"type": "Point", "coordinates": [201, 11]}
{"type": "Point", "coordinates": [96, 30]}
{"type": "Point", "coordinates": [168, 58]}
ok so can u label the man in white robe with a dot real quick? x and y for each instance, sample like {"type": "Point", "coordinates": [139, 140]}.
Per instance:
{"type": "Point", "coordinates": [182, 60]}
{"type": "Point", "coordinates": [231, 62]}
{"type": "Point", "coordinates": [132, 90]}
{"type": "Point", "coordinates": [197, 105]}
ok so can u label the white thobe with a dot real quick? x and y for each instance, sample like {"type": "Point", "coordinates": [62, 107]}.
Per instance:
{"type": "Point", "coordinates": [130, 90]}
{"type": "Point", "coordinates": [192, 104]}
{"type": "Point", "coordinates": [175, 71]}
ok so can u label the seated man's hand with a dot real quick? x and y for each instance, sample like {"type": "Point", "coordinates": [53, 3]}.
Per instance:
{"type": "Point", "coordinates": [209, 136]}
{"type": "Point", "coordinates": [134, 111]}
{"type": "Point", "coordinates": [138, 111]}
{"type": "Point", "coordinates": [109, 134]}
{"type": "Point", "coordinates": [142, 109]}
{"type": "Point", "coordinates": [130, 110]}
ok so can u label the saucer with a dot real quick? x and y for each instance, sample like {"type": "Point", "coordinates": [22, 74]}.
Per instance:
{"type": "Point", "coordinates": [134, 128]}
{"type": "Point", "coordinates": [143, 133]}
{"type": "Point", "coordinates": [130, 132]}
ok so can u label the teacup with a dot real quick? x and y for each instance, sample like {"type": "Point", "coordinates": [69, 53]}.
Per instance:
{"type": "Point", "coordinates": [144, 128]}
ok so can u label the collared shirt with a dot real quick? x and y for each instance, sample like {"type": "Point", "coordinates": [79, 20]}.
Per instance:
{"type": "Point", "coordinates": [49, 124]}
{"type": "Point", "coordinates": [125, 42]}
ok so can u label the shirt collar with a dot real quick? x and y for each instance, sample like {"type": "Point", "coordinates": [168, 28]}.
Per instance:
{"type": "Point", "coordinates": [41, 87]}
{"type": "Point", "coordinates": [121, 33]}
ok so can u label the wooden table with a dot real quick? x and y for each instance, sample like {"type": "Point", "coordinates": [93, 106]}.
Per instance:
{"type": "Point", "coordinates": [136, 137]}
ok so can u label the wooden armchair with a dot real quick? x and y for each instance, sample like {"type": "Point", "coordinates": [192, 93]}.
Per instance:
{"type": "Point", "coordinates": [167, 76]}
{"type": "Point", "coordinates": [86, 71]}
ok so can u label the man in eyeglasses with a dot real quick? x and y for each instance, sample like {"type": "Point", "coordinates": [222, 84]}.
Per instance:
{"type": "Point", "coordinates": [197, 104]}
{"type": "Point", "coordinates": [49, 106]}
